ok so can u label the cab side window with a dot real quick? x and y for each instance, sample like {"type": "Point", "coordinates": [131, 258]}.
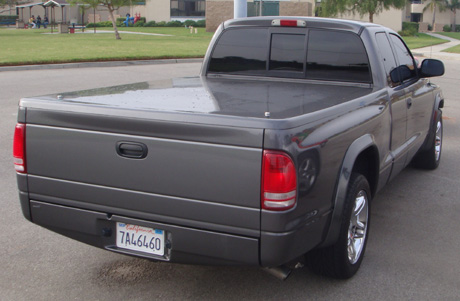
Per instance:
{"type": "Point", "coordinates": [386, 55]}
{"type": "Point", "coordinates": [406, 69]}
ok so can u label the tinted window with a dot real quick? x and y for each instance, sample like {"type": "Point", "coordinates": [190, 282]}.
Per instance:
{"type": "Point", "coordinates": [406, 64]}
{"type": "Point", "coordinates": [386, 55]}
{"type": "Point", "coordinates": [287, 52]}
{"type": "Point", "coordinates": [242, 51]}
{"type": "Point", "coordinates": [338, 56]}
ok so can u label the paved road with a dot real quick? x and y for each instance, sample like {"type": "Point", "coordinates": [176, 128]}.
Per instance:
{"type": "Point", "coordinates": [413, 251]}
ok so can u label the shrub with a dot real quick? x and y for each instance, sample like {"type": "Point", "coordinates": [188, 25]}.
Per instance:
{"type": "Point", "coordinates": [189, 23]}
{"type": "Point", "coordinates": [430, 28]}
{"type": "Point", "coordinates": [92, 25]}
{"type": "Point", "coordinates": [201, 23]}
{"type": "Point", "coordinates": [10, 18]}
{"type": "Point", "coordinates": [446, 28]}
{"type": "Point", "coordinates": [174, 24]}
{"type": "Point", "coordinates": [139, 24]}
{"type": "Point", "coordinates": [100, 24]}
{"type": "Point", "coordinates": [457, 28]}
{"type": "Point", "coordinates": [150, 24]}
{"type": "Point", "coordinates": [412, 26]}
{"type": "Point", "coordinates": [406, 33]}
{"type": "Point", "coordinates": [161, 24]}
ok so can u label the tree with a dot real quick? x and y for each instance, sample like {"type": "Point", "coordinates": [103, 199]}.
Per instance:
{"type": "Point", "coordinates": [432, 6]}
{"type": "Point", "coordinates": [88, 4]}
{"type": "Point", "coordinates": [453, 5]}
{"type": "Point", "coordinates": [111, 6]}
{"type": "Point", "coordinates": [10, 3]}
{"type": "Point", "coordinates": [331, 8]}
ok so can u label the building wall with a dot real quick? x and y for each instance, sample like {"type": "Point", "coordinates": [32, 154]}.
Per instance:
{"type": "Point", "coordinates": [217, 11]}
{"type": "Point", "coordinates": [390, 18]}
{"type": "Point", "coordinates": [158, 10]}
{"type": "Point", "coordinates": [300, 8]}
{"type": "Point", "coordinates": [441, 18]}
{"type": "Point", "coordinates": [72, 14]}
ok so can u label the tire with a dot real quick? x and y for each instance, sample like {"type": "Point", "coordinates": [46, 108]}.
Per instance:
{"type": "Point", "coordinates": [430, 158]}
{"type": "Point", "coordinates": [343, 259]}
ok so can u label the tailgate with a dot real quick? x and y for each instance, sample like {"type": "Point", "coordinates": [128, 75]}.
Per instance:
{"type": "Point", "coordinates": [180, 176]}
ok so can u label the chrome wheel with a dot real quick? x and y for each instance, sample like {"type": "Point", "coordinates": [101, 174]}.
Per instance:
{"type": "Point", "coordinates": [358, 227]}
{"type": "Point", "coordinates": [438, 141]}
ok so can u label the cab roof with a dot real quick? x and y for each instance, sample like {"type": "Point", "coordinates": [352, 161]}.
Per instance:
{"type": "Point", "coordinates": [311, 22]}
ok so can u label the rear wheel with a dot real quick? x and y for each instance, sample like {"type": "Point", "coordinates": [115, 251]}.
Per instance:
{"type": "Point", "coordinates": [343, 259]}
{"type": "Point", "coordinates": [430, 158]}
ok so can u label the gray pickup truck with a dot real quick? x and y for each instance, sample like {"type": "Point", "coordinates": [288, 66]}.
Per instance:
{"type": "Point", "coordinates": [270, 157]}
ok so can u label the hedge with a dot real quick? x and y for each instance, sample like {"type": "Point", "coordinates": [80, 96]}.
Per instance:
{"type": "Point", "coordinates": [142, 23]}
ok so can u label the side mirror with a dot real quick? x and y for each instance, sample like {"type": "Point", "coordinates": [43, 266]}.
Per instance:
{"type": "Point", "coordinates": [400, 74]}
{"type": "Point", "coordinates": [431, 67]}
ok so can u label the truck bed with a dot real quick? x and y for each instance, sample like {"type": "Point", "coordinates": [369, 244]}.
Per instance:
{"type": "Point", "coordinates": [236, 97]}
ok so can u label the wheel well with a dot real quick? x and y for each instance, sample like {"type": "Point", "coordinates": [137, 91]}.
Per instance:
{"type": "Point", "coordinates": [367, 165]}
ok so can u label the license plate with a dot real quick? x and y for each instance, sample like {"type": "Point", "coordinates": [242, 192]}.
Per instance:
{"type": "Point", "coordinates": [141, 239]}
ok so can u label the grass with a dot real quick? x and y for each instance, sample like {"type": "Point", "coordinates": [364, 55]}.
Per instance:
{"type": "Point", "coordinates": [22, 47]}
{"type": "Point", "coordinates": [422, 40]}
{"type": "Point", "coordinates": [455, 35]}
{"type": "Point", "coordinates": [37, 46]}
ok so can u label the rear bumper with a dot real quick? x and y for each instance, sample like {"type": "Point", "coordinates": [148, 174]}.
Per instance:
{"type": "Point", "coordinates": [192, 246]}
{"type": "Point", "coordinates": [189, 245]}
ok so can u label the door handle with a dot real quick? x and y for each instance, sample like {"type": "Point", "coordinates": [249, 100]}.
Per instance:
{"type": "Point", "coordinates": [132, 150]}
{"type": "Point", "coordinates": [409, 103]}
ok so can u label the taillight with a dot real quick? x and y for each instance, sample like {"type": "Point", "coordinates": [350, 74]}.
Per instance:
{"type": "Point", "coordinates": [19, 148]}
{"type": "Point", "coordinates": [279, 181]}
{"type": "Point", "coordinates": [289, 23]}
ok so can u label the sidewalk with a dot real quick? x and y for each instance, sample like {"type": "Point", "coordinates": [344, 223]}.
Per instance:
{"type": "Point", "coordinates": [435, 51]}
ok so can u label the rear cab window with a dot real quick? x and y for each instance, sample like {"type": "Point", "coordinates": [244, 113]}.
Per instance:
{"type": "Point", "coordinates": [315, 54]}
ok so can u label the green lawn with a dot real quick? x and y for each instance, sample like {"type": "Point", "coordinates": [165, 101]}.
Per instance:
{"type": "Point", "coordinates": [35, 46]}
{"type": "Point", "coordinates": [455, 35]}
{"type": "Point", "coordinates": [39, 46]}
{"type": "Point", "coordinates": [422, 40]}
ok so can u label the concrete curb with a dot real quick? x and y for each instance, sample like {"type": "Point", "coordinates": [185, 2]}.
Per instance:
{"type": "Point", "coordinates": [99, 64]}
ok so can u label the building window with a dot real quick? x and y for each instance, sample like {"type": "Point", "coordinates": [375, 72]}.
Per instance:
{"type": "Point", "coordinates": [188, 8]}
{"type": "Point", "coordinates": [415, 17]}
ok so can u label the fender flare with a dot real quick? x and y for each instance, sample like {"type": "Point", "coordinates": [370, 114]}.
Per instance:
{"type": "Point", "coordinates": [355, 149]}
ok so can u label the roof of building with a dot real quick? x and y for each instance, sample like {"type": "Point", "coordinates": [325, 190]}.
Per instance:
{"type": "Point", "coordinates": [29, 5]}
{"type": "Point", "coordinates": [58, 3]}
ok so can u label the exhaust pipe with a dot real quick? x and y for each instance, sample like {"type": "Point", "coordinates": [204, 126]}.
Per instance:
{"type": "Point", "coordinates": [281, 272]}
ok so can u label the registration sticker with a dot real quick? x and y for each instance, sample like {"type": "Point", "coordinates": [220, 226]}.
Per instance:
{"type": "Point", "coordinates": [141, 239]}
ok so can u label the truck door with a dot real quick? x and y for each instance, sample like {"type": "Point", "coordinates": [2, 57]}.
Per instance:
{"type": "Point", "coordinates": [398, 105]}
{"type": "Point", "coordinates": [418, 97]}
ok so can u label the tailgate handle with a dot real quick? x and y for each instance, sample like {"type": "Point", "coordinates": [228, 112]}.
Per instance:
{"type": "Point", "coordinates": [132, 150]}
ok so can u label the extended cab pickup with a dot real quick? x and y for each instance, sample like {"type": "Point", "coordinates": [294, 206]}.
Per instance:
{"type": "Point", "coordinates": [270, 157]}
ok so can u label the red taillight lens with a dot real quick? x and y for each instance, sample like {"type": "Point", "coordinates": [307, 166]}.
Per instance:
{"type": "Point", "coordinates": [279, 181]}
{"type": "Point", "coordinates": [288, 23]}
{"type": "Point", "coordinates": [19, 148]}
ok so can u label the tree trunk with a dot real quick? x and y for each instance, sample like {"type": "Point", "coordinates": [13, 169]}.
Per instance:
{"type": "Point", "coordinates": [114, 24]}
{"type": "Point", "coordinates": [434, 16]}
{"type": "Point", "coordinates": [371, 17]}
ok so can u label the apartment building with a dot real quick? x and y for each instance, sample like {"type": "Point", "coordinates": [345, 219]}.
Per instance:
{"type": "Point", "coordinates": [217, 11]}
